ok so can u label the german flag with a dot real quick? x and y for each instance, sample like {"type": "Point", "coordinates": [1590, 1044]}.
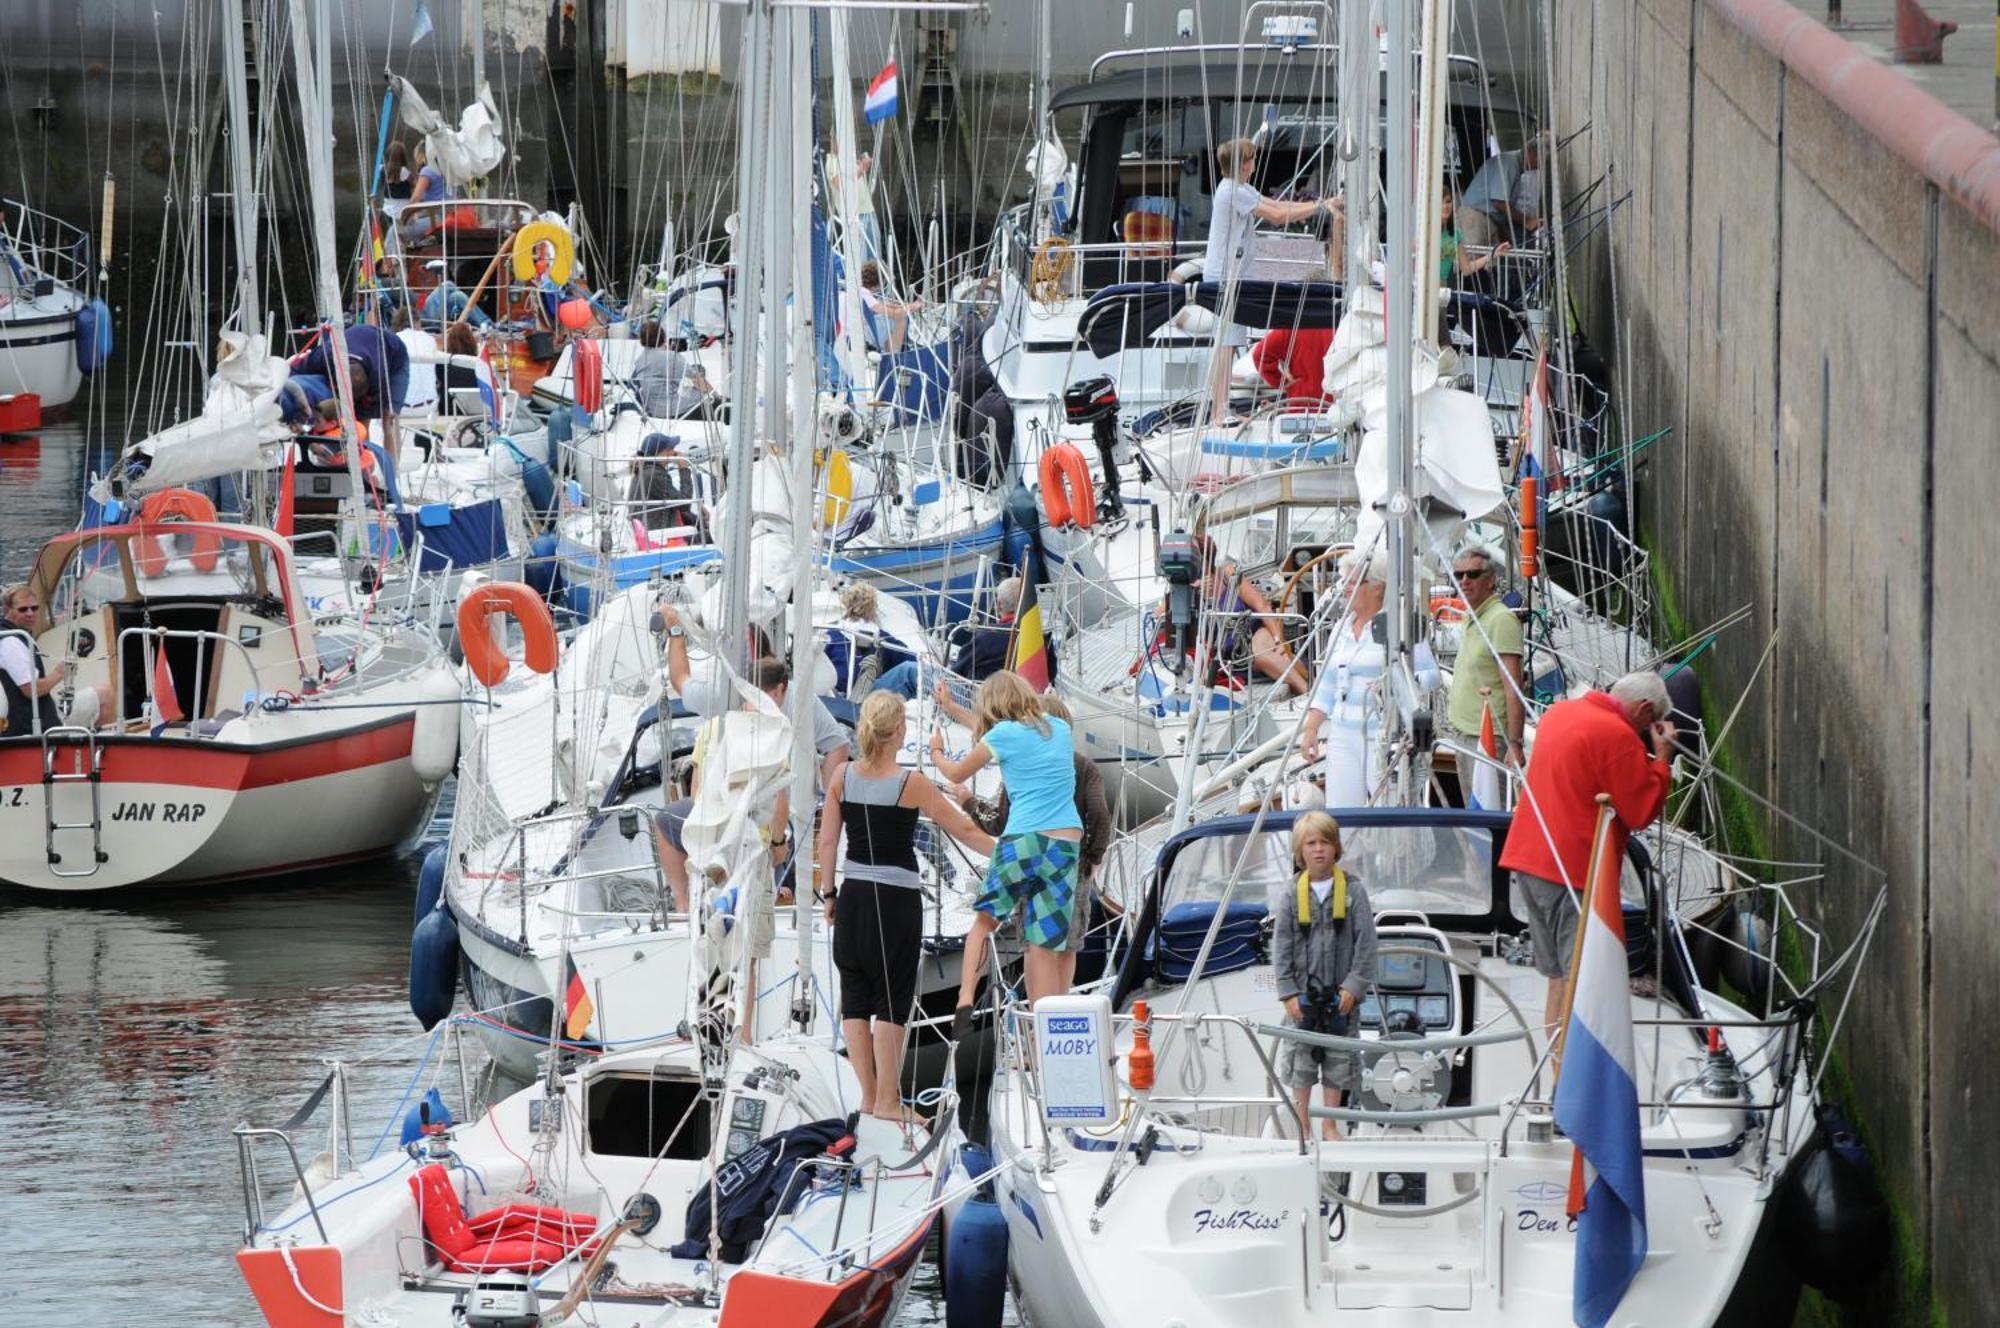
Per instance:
{"type": "Point", "coordinates": [1028, 653]}
{"type": "Point", "coordinates": [578, 1010]}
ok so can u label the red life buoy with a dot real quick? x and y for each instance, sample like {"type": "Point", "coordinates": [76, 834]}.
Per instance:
{"type": "Point", "coordinates": [589, 376]}
{"type": "Point", "coordinates": [149, 550]}
{"type": "Point", "coordinates": [483, 655]}
{"type": "Point", "coordinates": [1067, 493]}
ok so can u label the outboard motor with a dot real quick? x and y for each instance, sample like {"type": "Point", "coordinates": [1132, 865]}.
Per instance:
{"type": "Point", "coordinates": [1094, 401]}
{"type": "Point", "coordinates": [498, 1300]}
{"type": "Point", "coordinates": [1180, 564]}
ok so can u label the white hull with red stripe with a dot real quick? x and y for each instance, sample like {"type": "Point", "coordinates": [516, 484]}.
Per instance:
{"type": "Point", "coordinates": [183, 812]}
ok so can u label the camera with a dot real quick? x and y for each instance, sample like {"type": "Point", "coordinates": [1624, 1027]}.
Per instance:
{"type": "Point", "coordinates": [1319, 1012]}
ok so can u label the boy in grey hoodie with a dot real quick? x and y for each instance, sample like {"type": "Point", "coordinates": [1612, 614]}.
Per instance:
{"type": "Point", "coordinates": [1323, 948]}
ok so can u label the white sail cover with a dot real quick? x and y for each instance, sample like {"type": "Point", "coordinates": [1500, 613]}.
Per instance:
{"type": "Point", "coordinates": [1454, 430]}
{"type": "Point", "coordinates": [466, 153]}
{"type": "Point", "coordinates": [239, 419]}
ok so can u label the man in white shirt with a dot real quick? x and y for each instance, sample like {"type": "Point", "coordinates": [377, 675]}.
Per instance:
{"type": "Point", "coordinates": [421, 397]}
{"type": "Point", "coordinates": [22, 679]}
{"type": "Point", "coordinates": [1232, 245]}
{"type": "Point", "coordinates": [864, 198]}
{"type": "Point", "coordinates": [1488, 211]}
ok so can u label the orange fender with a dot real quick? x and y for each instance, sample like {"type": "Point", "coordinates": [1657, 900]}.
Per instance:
{"type": "Point", "coordinates": [183, 504]}
{"type": "Point", "coordinates": [1067, 493]}
{"type": "Point", "coordinates": [588, 363]}
{"type": "Point", "coordinates": [488, 662]}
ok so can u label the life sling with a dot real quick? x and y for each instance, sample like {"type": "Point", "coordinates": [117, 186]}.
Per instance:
{"type": "Point", "coordinates": [1338, 898]}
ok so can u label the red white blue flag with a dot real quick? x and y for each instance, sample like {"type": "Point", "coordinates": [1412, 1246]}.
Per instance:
{"type": "Point", "coordinates": [880, 102]}
{"type": "Point", "coordinates": [1597, 1106]}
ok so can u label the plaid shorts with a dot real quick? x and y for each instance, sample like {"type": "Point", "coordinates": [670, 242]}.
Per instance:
{"type": "Point", "coordinates": [1038, 873]}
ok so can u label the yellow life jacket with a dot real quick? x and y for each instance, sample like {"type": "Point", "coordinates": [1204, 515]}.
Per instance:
{"type": "Point", "coordinates": [1338, 898]}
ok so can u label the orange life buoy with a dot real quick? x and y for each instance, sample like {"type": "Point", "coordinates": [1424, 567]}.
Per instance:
{"type": "Point", "coordinates": [149, 551]}
{"type": "Point", "coordinates": [1449, 608]}
{"type": "Point", "coordinates": [488, 662]}
{"type": "Point", "coordinates": [1067, 493]}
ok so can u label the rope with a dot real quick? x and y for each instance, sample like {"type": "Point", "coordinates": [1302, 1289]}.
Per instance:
{"type": "Point", "coordinates": [285, 1252]}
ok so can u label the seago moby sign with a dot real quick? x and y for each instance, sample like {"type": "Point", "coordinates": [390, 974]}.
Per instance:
{"type": "Point", "coordinates": [1073, 1043]}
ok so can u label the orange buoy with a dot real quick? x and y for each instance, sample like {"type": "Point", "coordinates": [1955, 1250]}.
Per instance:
{"type": "Point", "coordinates": [1139, 1065]}
{"type": "Point", "coordinates": [1067, 493]}
{"type": "Point", "coordinates": [149, 550]}
{"type": "Point", "coordinates": [483, 655]}
{"type": "Point", "coordinates": [588, 358]}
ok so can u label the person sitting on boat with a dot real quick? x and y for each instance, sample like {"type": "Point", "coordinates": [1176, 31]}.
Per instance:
{"type": "Point", "coordinates": [1251, 636]}
{"type": "Point", "coordinates": [667, 388]}
{"type": "Point", "coordinates": [1294, 362]}
{"type": "Point", "coordinates": [429, 187]}
{"type": "Point", "coordinates": [1035, 864]}
{"type": "Point", "coordinates": [399, 181]}
{"type": "Point", "coordinates": [1595, 743]}
{"type": "Point", "coordinates": [29, 685]}
{"type": "Point", "coordinates": [1488, 669]}
{"type": "Point", "coordinates": [1323, 957]}
{"type": "Point", "coordinates": [1091, 805]}
{"type": "Point", "coordinates": [1346, 691]}
{"type": "Point", "coordinates": [447, 303]}
{"type": "Point", "coordinates": [880, 309]}
{"type": "Point", "coordinates": [877, 911]}
{"type": "Point", "coordinates": [711, 698]}
{"type": "Point", "coordinates": [983, 651]}
{"type": "Point", "coordinates": [1232, 245]}
{"type": "Point", "coordinates": [1453, 264]}
{"type": "Point", "coordinates": [662, 492]}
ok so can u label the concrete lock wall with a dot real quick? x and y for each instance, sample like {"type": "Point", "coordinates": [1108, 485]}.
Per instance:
{"type": "Point", "coordinates": [1806, 287]}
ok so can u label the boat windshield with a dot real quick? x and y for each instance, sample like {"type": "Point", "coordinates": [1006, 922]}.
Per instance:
{"type": "Point", "coordinates": [1438, 869]}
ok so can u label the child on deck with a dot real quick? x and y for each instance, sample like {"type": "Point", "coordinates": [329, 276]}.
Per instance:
{"type": "Point", "coordinates": [1323, 947]}
{"type": "Point", "coordinates": [1035, 862]}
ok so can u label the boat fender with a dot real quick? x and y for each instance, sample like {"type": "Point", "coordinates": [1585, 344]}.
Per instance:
{"type": "Point", "coordinates": [488, 662]}
{"type": "Point", "coordinates": [1021, 523]}
{"type": "Point", "coordinates": [588, 364]}
{"type": "Point", "coordinates": [541, 571]}
{"type": "Point", "coordinates": [150, 551]}
{"type": "Point", "coordinates": [1067, 493]}
{"type": "Point", "coordinates": [975, 1257]}
{"type": "Point", "coordinates": [93, 336]}
{"type": "Point", "coordinates": [427, 1110]}
{"type": "Point", "coordinates": [433, 967]}
{"type": "Point", "coordinates": [1833, 1223]}
{"type": "Point", "coordinates": [1746, 961]}
{"type": "Point", "coordinates": [434, 742]}
{"type": "Point", "coordinates": [430, 881]}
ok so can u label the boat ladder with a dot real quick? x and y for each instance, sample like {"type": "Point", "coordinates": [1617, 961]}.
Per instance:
{"type": "Point", "coordinates": [70, 755]}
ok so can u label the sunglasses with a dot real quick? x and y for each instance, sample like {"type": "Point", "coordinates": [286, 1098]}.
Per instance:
{"type": "Point", "coordinates": [26, 608]}
{"type": "Point", "coordinates": [1469, 573]}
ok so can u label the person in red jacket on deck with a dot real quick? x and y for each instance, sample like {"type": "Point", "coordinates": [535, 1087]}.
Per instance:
{"type": "Point", "coordinates": [1583, 747]}
{"type": "Point", "coordinates": [1295, 362]}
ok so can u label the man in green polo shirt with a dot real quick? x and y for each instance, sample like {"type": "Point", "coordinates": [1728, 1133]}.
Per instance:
{"type": "Point", "coordinates": [1489, 655]}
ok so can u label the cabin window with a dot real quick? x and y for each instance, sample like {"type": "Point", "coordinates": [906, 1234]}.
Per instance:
{"type": "Point", "coordinates": [636, 1115]}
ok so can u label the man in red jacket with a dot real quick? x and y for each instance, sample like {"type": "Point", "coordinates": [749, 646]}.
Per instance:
{"type": "Point", "coordinates": [1584, 747]}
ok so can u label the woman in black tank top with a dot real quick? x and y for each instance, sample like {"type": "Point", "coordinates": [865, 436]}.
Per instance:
{"type": "Point", "coordinates": [878, 915]}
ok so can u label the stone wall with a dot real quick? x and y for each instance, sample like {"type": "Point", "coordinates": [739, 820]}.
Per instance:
{"type": "Point", "coordinates": [1818, 319]}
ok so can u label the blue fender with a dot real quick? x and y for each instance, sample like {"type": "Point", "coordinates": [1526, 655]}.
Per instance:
{"type": "Point", "coordinates": [433, 967]}
{"type": "Point", "coordinates": [975, 1262]}
{"type": "Point", "coordinates": [541, 572]}
{"type": "Point", "coordinates": [93, 336]}
{"type": "Point", "coordinates": [430, 881]}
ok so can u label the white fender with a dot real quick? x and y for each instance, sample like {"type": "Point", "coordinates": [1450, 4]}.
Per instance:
{"type": "Point", "coordinates": [434, 743]}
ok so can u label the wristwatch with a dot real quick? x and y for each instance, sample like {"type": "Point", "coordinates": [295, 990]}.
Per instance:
{"type": "Point", "coordinates": [676, 631]}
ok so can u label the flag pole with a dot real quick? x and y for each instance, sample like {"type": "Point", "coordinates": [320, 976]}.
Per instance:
{"type": "Point", "coordinates": [1600, 841]}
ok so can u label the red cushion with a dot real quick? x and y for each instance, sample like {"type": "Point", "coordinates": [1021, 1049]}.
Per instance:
{"type": "Point", "coordinates": [534, 1221]}
{"type": "Point", "coordinates": [442, 1214]}
{"type": "Point", "coordinates": [511, 1256]}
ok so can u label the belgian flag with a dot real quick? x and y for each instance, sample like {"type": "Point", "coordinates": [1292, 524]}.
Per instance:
{"type": "Point", "coordinates": [578, 1009]}
{"type": "Point", "coordinates": [1028, 653]}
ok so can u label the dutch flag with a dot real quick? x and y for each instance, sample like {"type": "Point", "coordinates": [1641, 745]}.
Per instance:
{"type": "Point", "coordinates": [880, 103]}
{"type": "Point", "coordinates": [1597, 1105]}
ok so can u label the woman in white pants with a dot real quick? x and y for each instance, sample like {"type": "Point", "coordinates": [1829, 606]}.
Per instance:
{"type": "Point", "coordinates": [1346, 693]}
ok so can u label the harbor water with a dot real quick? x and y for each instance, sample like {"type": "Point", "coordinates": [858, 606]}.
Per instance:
{"type": "Point", "coordinates": [137, 1029]}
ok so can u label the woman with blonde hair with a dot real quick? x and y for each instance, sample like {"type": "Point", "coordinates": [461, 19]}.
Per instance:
{"type": "Point", "coordinates": [878, 910]}
{"type": "Point", "coordinates": [1035, 863]}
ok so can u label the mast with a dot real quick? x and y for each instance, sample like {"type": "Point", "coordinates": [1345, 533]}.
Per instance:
{"type": "Point", "coordinates": [751, 122]}
{"type": "Point", "coordinates": [1400, 278]}
{"type": "Point", "coordinates": [1436, 70]}
{"type": "Point", "coordinates": [477, 10]}
{"type": "Point", "coordinates": [1359, 96]}
{"type": "Point", "coordinates": [854, 357]}
{"type": "Point", "coordinates": [316, 120]}
{"type": "Point", "coordinates": [242, 183]}
{"type": "Point", "coordinates": [798, 164]}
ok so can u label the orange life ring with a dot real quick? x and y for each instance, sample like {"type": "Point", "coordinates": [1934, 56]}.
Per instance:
{"type": "Point", "coordinates": [1067, 493]}
{"type": "Point", "coordinates": [488, 662]}
{"type": "Point", "coordinates": [149, 551]}
{"type": "Point", "coordinates": [1449, 608]}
